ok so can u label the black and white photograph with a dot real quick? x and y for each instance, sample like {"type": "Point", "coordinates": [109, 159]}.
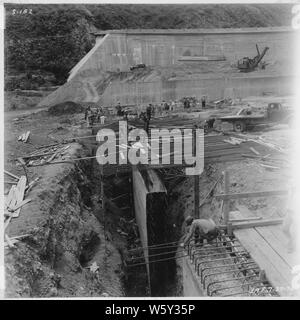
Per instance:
{"type": "Point", "coordinates": [150, 150]}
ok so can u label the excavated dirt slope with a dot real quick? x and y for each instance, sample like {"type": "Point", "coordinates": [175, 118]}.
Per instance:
{"type": "Point", "coordinates": [65, 239]}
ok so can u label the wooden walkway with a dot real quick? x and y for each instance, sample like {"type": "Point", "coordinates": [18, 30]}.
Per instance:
{"type": "Point", "coordinates": [268, 246]}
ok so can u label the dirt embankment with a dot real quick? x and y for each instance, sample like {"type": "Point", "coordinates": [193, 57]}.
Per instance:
{"type": "Point", "coordinates": [66, 238]}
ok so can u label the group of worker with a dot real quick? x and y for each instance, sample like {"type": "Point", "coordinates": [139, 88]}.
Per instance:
{"type": "Point", "coordinates": [167, 107]}
{"type": "Point", "coordinates": [93, 115]}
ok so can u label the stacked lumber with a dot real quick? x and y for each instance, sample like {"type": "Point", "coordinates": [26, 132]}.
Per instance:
{"type": "Point", "coordinates": [14, 200]}
{"type": "Point", "coordinates": [45, 155]}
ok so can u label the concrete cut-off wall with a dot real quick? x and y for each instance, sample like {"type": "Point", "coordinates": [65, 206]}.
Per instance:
{"type": "Point", "coordinates": [147, 189]}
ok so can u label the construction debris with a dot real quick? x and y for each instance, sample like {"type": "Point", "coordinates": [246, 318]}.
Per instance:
{"type": "Point", "coordinates": [8, 242]}
{"type": "Point", "coordinates": [15, 197]}
{"type": "Point", "coordinates": [32, 184]}
{"type": "Point", "coordinates": [13, 203]}
{"type": "Point", "coordinates": [11, 175]}
{"type": "Point", "coordinates": [13, 240]}
{"type": "Point", "coordinates": [24, 137]}
{"type": "Point", "coordinates": [45, 155]}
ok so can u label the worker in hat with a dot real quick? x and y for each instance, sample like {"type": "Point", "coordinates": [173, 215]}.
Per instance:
{"type": "Point", "coordinates": [201, 229]}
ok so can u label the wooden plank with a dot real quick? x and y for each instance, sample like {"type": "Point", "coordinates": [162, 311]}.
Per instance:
{"type": "Point", "coordinates": [233, 196]}
{"type": "Point", "coordinates": [26, 136]}
{"type": "Point", "coordinates": [20, 190]}
{"type": "Point", "coordinates": [9, 243]}
{"type": "Point", "coordinates": [10, 182]}
{"type": "Point", "coordinates": [269, 167]}
{"type": "Point", "coordinates": [48, 145]}
{"type": "Point", "coordinates": [245, 219]}
{"type": "Point", "coordinates": [11, 174]}
{"type": "Point", "coordinates": [196, 184]}
{"type": "Point", "coordinates": [7, 221]}
{"type": "Point", "coordinates": [37, 155]}
{"type": "Point", "coordinates": [226, 202]}
{"type": "Point", "coordinates": [31, 184]}
{"type": "Point", "coordinates": [277, 271]}
{"type": "Point", "coordinates": [53, 156]}
{"type": "Point", "coordinates": [262, 223]}
{"type": "Point", "coordinates": [19, 205]}
{"type": "Point", "coordinates": [277, 244]}
{"type": "Point", "coordinates": [11, 198]}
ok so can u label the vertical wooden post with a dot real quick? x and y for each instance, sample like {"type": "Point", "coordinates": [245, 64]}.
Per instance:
{"type": "Point", "coordinates": [197, 191]}
{"type": "Point", "coordinates": [196, 181]}
{"type": "Point", "coordinates": [226, 202]}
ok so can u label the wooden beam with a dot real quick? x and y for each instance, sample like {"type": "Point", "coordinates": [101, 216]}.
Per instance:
{"type": "Point", "coordinates": [245, 219]}
{"type": "Point", "coordinates": [196, 182]}
{"type": "Point", "coordinates": [19, 205]}
{"type": "Point", "coordinates": [12, 175]}
{"type": "Point", "coordinates": [197, 196]}
{"type": "Point", "coordinates": [226, 201]}
{"type": "Point", "coordinates": [254, 224]}
{"type": "Point", "coordinates": [262, 223]}
{"type": "Point", "coordinates": [232, 196]}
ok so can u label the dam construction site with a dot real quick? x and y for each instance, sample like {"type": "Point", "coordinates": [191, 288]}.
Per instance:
{"type": "Point", "coordinates": [78, 225]}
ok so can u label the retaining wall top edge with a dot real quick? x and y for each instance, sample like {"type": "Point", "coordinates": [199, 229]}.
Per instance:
{"type": "Point", "coordinates": [195, 31]}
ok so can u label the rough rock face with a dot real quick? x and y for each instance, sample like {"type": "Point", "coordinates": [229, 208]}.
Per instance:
{"type": "Point", "coordinates": [65, 240]}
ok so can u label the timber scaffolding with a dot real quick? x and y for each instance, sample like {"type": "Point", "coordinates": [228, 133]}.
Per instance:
{"type": "Point", "coordinates": [251, 257]}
